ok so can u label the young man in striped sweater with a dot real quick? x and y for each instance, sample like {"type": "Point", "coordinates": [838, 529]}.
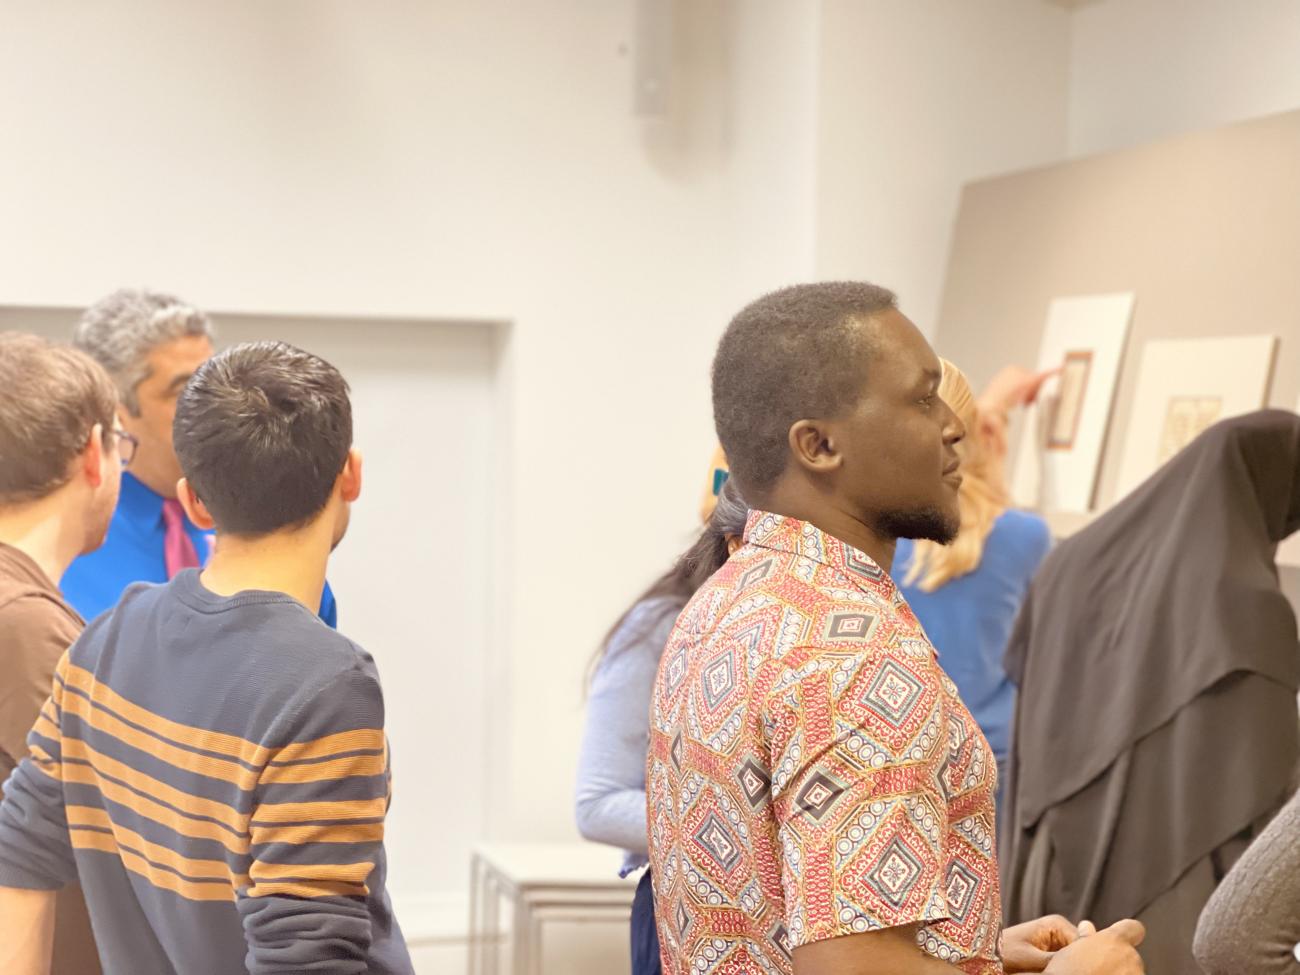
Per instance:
{"type": "Point", "coordinates": [211, 764]}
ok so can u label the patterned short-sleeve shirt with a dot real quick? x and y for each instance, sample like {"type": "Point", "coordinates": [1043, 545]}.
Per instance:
{"type": "Point", "coordinates": [812, 771]}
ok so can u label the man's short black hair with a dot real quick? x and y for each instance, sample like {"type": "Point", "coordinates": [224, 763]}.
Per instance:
{"type": "Point", "coordinates": [794, 354]}
{"type": "Point", "coordinates": [262, 432]}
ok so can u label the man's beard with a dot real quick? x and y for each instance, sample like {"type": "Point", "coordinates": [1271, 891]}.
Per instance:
{"type": "Point", "coordinates": [919, 523]}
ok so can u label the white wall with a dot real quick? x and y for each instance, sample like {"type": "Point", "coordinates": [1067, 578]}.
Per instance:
{"type": "Point", "coordinates": [470, 160]}
{"type": "Point", "coordinates": [1144, 69]}
{"type": "Point", "coordinates": [478, 160]}
{"type": "Point", "coordinates": [916, 98]}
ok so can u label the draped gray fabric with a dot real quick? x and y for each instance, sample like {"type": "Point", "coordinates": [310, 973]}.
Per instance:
{"type": "Point", "coordinates": [1158, 664]}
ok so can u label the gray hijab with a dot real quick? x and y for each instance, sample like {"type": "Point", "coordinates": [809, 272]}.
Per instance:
{"type": "Point", "coordinates": [1160, 599]}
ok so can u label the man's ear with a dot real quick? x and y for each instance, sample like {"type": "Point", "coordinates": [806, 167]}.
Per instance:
{"type": "Point", "coordinates": [350, 478]}
{"type": "Point", "coordinates": [813, 448]}
{"type": "Point", "coordinates": [195, 509]}
{"type": "Point", "coordinates": [93, 456]}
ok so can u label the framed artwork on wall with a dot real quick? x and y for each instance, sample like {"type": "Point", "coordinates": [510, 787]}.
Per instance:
{"type": "Point", "coordinates": [1067, 405]}
{"type": "Point", "coordinates": [1186, 385]}
{"type": "Point", "coordinates": [1060, 449]}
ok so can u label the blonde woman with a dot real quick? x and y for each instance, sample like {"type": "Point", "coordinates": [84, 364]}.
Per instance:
{"type": "Point", "coordinates": [967, 594]}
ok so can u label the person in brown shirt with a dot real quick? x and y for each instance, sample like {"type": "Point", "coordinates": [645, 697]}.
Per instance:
{"type": "Point", "coordinates": [61, 458]}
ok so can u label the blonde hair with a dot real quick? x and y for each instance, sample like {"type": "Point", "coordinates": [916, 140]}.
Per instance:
{"type": "Point", "coordinates": [982, 498]}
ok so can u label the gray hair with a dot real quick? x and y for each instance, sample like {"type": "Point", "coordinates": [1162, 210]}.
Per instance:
{"type": "Point", "coordinates": [121, 330]}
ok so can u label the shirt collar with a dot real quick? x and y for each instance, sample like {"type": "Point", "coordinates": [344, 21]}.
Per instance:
{"type": "Point", "coordinates": [782, 534]}
{"type": "Point", "coordinates": [138, 502]}
{"type": "Point", "coordinates": [24, 563]}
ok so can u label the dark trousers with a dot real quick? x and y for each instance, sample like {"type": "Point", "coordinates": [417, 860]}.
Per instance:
{"type": "Point", "coordinates": [645, 939]}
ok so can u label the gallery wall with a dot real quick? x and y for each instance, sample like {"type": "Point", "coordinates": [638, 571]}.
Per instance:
{"type": "Point", "coordinates": [915, 98]}
{"type": "Point", "coordinates": [1203, 228]}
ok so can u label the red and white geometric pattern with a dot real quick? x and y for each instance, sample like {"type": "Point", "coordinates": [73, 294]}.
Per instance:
{"type": "Point", "coordinates": [812, 772]}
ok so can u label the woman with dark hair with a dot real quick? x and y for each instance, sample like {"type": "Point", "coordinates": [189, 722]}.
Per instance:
{"type": "Point", "coordinates": [611, 801]}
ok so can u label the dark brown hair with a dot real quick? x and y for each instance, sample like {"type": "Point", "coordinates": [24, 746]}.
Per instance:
{"type": "Point", "coordinates": [51, 396]}
{"type": "Point", "coordinates": [262, 432]}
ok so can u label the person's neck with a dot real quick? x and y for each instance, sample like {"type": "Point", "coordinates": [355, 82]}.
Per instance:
{"type": "Point", "coordinates": [832, 519]}
{"type": "Point", "coordinates": [46, 531]}
{"type": "Point", "coordinates": [292, 563]}
{"type": "Point", "coordinates": [156, 481]}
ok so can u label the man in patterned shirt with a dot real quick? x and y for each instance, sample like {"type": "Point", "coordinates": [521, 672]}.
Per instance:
{"type": "Point", "coordinates": [819, 798]}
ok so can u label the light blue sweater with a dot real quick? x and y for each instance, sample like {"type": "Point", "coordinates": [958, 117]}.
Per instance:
{"type": "Point", "coordinates": [611, 768]}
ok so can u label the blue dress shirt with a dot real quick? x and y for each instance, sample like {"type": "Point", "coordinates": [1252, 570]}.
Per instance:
{"type": "Point", "coordinates": [133, 552]}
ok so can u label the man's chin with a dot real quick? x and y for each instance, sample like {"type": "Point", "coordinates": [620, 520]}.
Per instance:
{"type": "Point", "coordinates": [928, 524]}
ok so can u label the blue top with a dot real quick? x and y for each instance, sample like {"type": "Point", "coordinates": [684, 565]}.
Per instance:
{"type": "Point", "coordinates": [133, 552]}
{"type": "Point", "coordinates": [969, 619]}
{"type": "Point", "coordinates": [611, 768]}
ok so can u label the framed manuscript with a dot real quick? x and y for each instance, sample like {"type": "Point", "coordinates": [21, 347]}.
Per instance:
{"type": "Point", "coordinates": [1185, 386]}
{"type": "Point", "coordinates": [1067, 402]}
{"type": "Point", "coordinates": [1185, 418]}
{"type": "Point", "coordinates": [1061, 446]}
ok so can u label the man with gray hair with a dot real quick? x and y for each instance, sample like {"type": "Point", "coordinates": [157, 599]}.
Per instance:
{"type": "Point", "coordinates": [150, 343]}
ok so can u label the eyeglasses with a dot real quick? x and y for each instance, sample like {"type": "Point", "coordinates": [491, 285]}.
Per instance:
{"type": "Point", "coordinates": [127, 444]}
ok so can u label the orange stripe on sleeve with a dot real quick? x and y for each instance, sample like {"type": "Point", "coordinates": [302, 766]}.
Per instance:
{"type": "Point", "coordinates": [336, 768]}
{"type": "Point", "coordinates": [319, 833]}
{"type": "Point", "coordinates": [307, 890]}
{"type": "Point", "coordinates": [354, 874]}
{"type": "Point", "coordinates": [362, 739]}
{"type": "Point", "coordinates": [308, 812]}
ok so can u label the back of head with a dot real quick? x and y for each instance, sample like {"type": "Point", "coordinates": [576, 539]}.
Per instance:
{"type": "Point", "coordinates": [982, 497]}
{"type": "Point", "coordinates": [1268, 443]}
{"type": "Point", "coordinates": [51, 397]}
{"type": "Point", "coordinates": [262, 433]}
{"type": "Point", "coordinates": [792, 354]}
{"type": "Point", "coordinates": [120, 331]}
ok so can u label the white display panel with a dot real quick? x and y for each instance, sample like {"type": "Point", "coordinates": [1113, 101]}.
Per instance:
{"type": "Point", "coordinates": [1186, 385]}
{"type": "Point", "coordinates": [1060, 452]}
